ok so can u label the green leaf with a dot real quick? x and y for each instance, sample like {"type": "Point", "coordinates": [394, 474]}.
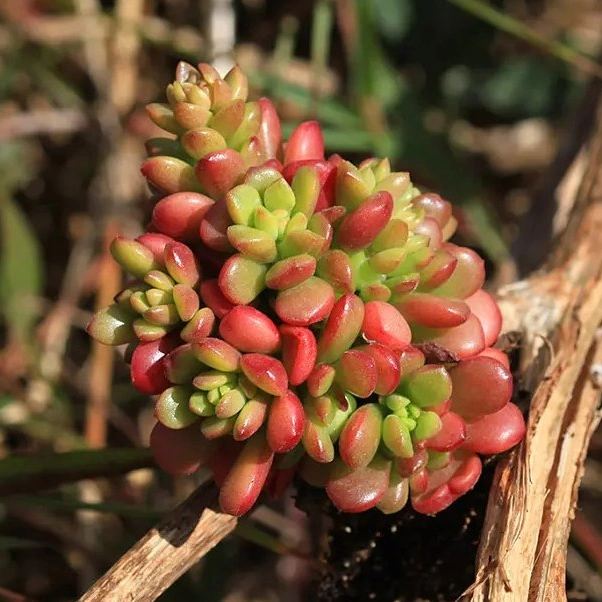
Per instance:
{"type": "Point", "coordinates": [373, 76]}
{"type": "Point", "coordinates": [342, 140]}
{"type": "Point", "coordinates": [418, 147]}
{"type": "Point", "coordinates": [21, 474]}
{"type": "Point", "coordinates": [523, 87]}
{"type": "Point", "coordinates": [20, 270]}
{"type": "Point", "coordinates": [328, 110]}
{"type": "Point", "coordinates": [505, 22]}
{"type": "Point", "coordinates": [393, 18]}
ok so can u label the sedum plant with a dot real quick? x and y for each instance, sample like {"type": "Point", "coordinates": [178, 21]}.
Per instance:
{"type": "Point", "coordinates": [301, 316]}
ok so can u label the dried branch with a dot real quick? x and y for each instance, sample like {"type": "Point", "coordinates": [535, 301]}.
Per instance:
{"type": "Point", "coordinates": [523, 550]}
{"type": "Point", "coordinates": [42, 122]}
{"type": "Point", "coordinates": [166, 552]}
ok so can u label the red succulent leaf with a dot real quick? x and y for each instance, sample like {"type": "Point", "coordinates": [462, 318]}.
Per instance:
{"type": "Point", "coordinates": [451, 435]}
{"type": "Point", "coordinates": [217, 354]}
{"type": "Point", "coordinates": [388, 367]}
{"type": "Point", "coordinates": [213, 298]}
{"type": "Point", "coordinates": [286, 423]}
{"type": "Point", "coordinates": [186, 300]}
{"type": "Point", "coordinates": [320, 379]}
{"type": "Point", "coordinates": [360, 437]}
{"type": "Point", "coordinates": [321, 226]}
{"type": "Point", "coordinates": [250, 418]}
{"type": "Point", "coordinates": [180, 215]}
{"type": "Point", "coordinates": [299, 352]}
{"type": "Point", "coordinates": [214, 227]}
{"type": "Point", "coordinates": [429, 227]}
{"type": "Point", "coordinates": [396, 496]}
{"type": "Point", "coordinates": [396, 437]}
{"type": "Point", "coordinates": [360, 227]}
{"type": "Point", "coordinates": [335, 267]}
{"type": "Point", "coordinates": [147, 365]}
{"type": "Point", "coordinates": [265, 372]}
{"type": "Point", "coordinates": [305, 143]}
{"type": "Point", "coordinates": [393, 235]}
{"type": "Point", "coordinates": [190, 115]}
{"type": "Point", "coordinates": [409, 466]}
{"type": "Point", "coordinates": [202, 141]}
{"type": "Point", "coordinates": [341, 329]}
{"type": "Point", "coordinates": [461, 342]}
{"type": "Point", "coordinates": [269, 135]}
{"type": "Point", "coordinates": [360, 489]}
{"type": "Point", "coordinates": [180, 451]}
{"type": "Point", "coordinates": [446, 485]}
{"type": "Point", "coordinates": [220, 171]}
{"type": "Point", "coordinates": [480, 386]}
{"type": "Point", "coordinates": [438, 270]}
{"type": "Point", "coordinates": [419, 482]}
{"type": "Point", "coordinates": [182, 264]}
{"type": "Point", "coordinates": [356, 373]}
{"type": "Point", "coordinates": [181, 365]}
{"type": "Point", "coordinates": [133, 256]}
{"type": "Point", "coordinates": [249, 330]}
{"type": "Point", "coordinates": [155, 242]}
{"type": "Point", "coordinates": [223, 457]}
{"type": "Point", "coordinates": [241, 279]}
{"type": "Point", "coordinates": [468, 275]}
{"type": "Point", "coordinates": [441, 408]}
{"type": "Point", "coordinates": [169, 174]}
{"type": "Point", "coordinates": [306, 303]}
{"type": "Point", "coordinates": [290, 271]}
{"type": "Point", "coordinates": [400, 286]}
{"type": "Point", "coordinates": [230, 404]}
{"type": "Point", "coordinates": [411, 359]}
{"type": "Point", "coordinates": [385, 325]}
{"type": "Point", "coordinates": [323, 408]}
{"type": "Point", "coordinates": [326, 174]}
{"type": "Point", "coordinates": [376, 292]}
{"type": "Point", "coordinates": [434, 206]}
{"type": "Point", "coordinates": [485, 308]}
{"type": "Point", "coordinates": [199, 326]}
{"type": "Point", "coordinates": [316, 441]}
{"type": "Point", "coordinates": [246, 478]}
{"type": "Point", "coordinates": [432, 311]}
{"type": "Point", "coordinates": [228, 117]}
{"type": "Point", "coordinates": [495, 433]}
{"type": "Point", "coordinates": [496, 354]}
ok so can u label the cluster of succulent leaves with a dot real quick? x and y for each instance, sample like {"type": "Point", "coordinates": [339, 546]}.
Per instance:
{"type": "Point", "coordinates": [303, 316]}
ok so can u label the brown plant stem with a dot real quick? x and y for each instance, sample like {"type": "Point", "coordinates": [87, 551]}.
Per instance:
{"type": "Point", "coordinates": [101, 363]}
{"type": "Point", "coordinates": [522, 557]}
{"type": "Point", "coordinates": [166, 552]}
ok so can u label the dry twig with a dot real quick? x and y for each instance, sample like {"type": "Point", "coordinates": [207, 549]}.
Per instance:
{"type": "Point", "coordinates": [523, 550]}
{"type": "Point", "coordinates": [166, 552]}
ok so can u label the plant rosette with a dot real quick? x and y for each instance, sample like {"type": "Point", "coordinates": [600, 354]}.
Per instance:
{"type": "Point", "coordinates": [303, 317]}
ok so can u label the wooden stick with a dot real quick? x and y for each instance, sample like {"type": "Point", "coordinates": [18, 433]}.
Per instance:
{"type": "Point", "coordinates": [522, 556]}
{"type": "Point", "coordinates": [166, 552]}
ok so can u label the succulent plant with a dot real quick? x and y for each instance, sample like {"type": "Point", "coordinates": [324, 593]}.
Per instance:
{"type": "Point", "coordinates": [298, 316]}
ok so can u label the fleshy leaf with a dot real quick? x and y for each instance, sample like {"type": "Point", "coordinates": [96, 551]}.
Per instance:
{"type": "Point", "coordinates": [358, 490]}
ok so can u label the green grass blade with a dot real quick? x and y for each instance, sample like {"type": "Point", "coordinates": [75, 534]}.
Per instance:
{"type": "Point", "coordinates": [514, 27]}
{"type": "Point", "coordinates": [22, 474]}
